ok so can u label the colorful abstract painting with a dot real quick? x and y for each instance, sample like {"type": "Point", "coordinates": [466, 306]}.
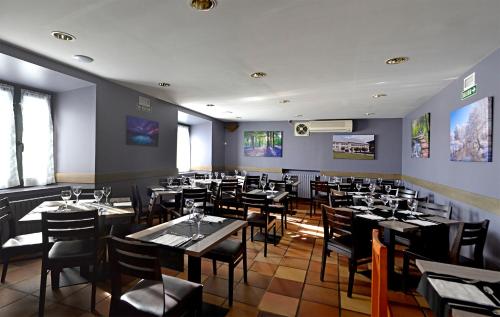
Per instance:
{"type": "Point", "coordinates": [420, 136]}
{"type": "Point", "coordinates": [353, 147]}
{"type": "Point", "coordinates": [263, 143]}
{"type": "Point", "coordinates": [470, 132]}
{"type": "Point", "coordinates": [142, 132]}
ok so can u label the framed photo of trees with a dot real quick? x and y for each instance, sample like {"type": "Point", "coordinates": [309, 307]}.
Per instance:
{"type": "Point", "coordinates": [263, 143]}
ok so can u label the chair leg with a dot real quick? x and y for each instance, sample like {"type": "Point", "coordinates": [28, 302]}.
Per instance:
{"type": "Point", "coordinates": [265, 242]}
{"type": "Point", "coordinates": [251, 233]}
{"type": "Point", "coordinates": [339, 298]}
{"type": "Point", "coordinates": [5, 260]}
{"type": "Point", "coordinates": [94, 286]}
{"type": "Point", "coordinates": [231, 281]}
{"type": "Point", "coordinates": [274, 234]}
{"type": "Point", "coordinates": [43, 285]}
{"type": "Point", "coordinates": [406, 268]}
{"type": "Point", "coordinates": [310, 208]}
{"type": "Point", "coordinates": [245, 263]}
{"type": "Point", "coordinates": [283, 223]}
{"type": "Point", "coordinates": [54, 278]}
{"type": "Point", "coordinates": [352, 271]}
{"type": "Point", "coordinates": [214, 266]}
{"type": "Point", "coordinates": [323, 263]}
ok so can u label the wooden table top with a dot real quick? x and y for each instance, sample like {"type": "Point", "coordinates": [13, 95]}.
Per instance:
{"type": "Point", "coordinates": [459, 271]}
{"type": "Point", "coordinates": [84, 204]}
{"type": "Point", "coordinates": [199, 248]}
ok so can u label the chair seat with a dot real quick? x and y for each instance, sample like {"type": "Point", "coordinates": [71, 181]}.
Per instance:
{"type": "Point", "coordinates": [30, 239]}
{"type": "Point", "coordinates": [259, 219]}
{"type": "Point", "coordinates": [71, 250]}
{"type": "Point", "coordinates": [342, 244]}
{"type": "Point", "coordinates": [146, 296]}
{"type": "Point", "coordinates": [228, 248]}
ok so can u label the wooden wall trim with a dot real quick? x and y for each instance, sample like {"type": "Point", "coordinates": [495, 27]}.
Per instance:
{"type": "Point", "coordinates": [206, 168]}
{"type": "Point", "coordinates": [362, 174]}
{"type": "Point", "coordinates": [487, 203]}
{"type": "Point", "coordinates": [80, 178]}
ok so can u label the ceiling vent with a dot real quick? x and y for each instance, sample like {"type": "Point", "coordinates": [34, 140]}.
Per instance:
{"type": "Point", "coordinates": [301, 128]}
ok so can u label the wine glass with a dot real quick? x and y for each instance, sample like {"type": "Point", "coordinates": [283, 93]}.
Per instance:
{"type": "Point", "coordinates": [198, 215]}
{"type": "Point", "coordinates": [369, 201]}
{"type": "Point", "coordinates": [371, 188]}
{"type": "Point", "coordinates": [271, 186]}
{"type": "Point", "coordinates": [170, 181]}
{"type": "Point", "coordinates": [235, 172]}
{"type": "Point", "coordinates": [244, 173]}
{"type": "Point", "coordinates": [77, 190]}
{"type": "Point", "coordinates": [358, 187]}
{"type": "Point", "coordinates": [263, 184]}
{"type": "Point", "coordinates": [388, 189]}
{"type": "Point", "coordinates": [352, 179]}
{"type": "Point", "coordinates": [98, 193]}
{"type": "Point", "coordinates": [379, 181]}
{"type": "Point", "coordinates": [107, 191]}
{"type": "Point", "coordinates": [66, 195]}
{"type": "Point", "coordinates": [393, 203]}
{"type": "Point", "coordinates": [189, 204]}
{"type": "Point", "coordinates": [191, 181]}
{"type": "Point", "coordinates": [385, 199]}
{"type": "Point", "coordinates": [216, 175]}
{"type": "Point", "coordinates": [366, 180]}
{"type": "Point", "coordinates": [397, 182]}
{"type": "Point", "coordinates": [412, 204]}
{"type": "Point", "coordinates": [222, 175]}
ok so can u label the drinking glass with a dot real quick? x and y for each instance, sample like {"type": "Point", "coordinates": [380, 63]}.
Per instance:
{"type": "Point", "coordinates": [379, 181]}
{"type": "Point", "coordinates": [66, 195]}
{"type": "Point", "coordinates": [216, 175]}
{"type": "Point", "coordinates": [98, 193]}
{"type": "Point", "coordinates": [191, 181]}
{"type": "Point", "coordinates": [244, 173]}
{"type": "Point", "coordinates": [263, 184]}
{"type": "Point", "coordinates": [369, 201]}
{"type": "Point", "coordinates": [271, 186]}
{"type": "Point", "coordinates": [367, 181]}
{"type": "Point", "coordinates": [358, 187]}
{"type": "Point", "coordinates": [388, 189]}
{"type": "Point", "coordinates": [371, 188]}
{"type": "Point", "coordinates": [393, 203]}
{"type": "Point", "coordinates": [412, 204]}
{"type": "Point", "coordinates": [107, 191]}
{"type": "Point", "coordinates": [352, 179]}
{"type": "Point", "coordinates": [189, 204]}
{"type": "Point", "coordinates": [170, 181]}
{"type": "Point", "coordinates": [77, 190]}
{"type": "Point", "coordinates": [385, 199]}
{"type": "Point", "coordinates": [397, 182]}
{"type": "Point", "coordinates": [197, 217]}
{"type": "Point", "coordinates": [235, 172]}
{"type": "Point", "coordinates": [222, 175]}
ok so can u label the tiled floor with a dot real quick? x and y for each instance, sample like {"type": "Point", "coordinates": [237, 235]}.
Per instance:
{"type": "Point", "coordinates": [285, 283]}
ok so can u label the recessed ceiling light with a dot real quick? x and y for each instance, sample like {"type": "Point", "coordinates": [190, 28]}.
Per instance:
{"type": "Point", "coordinates": [258, 75]}
{"type": "Point", "coordinates": [83, 58]}
{"type": "Point", "coordinates": [203, 5]}
{"type": "Point", "coordinates": [63, 36]}
{"type": "Point", "coordinates": [228, 111]}
{"type": "Point", "coordinates": [298, 116]}
{"type": "Point", "coordinates": [238, 117]}
{"type": "Point", "coordinates": [210, 105]}
{"type": "Point", "coordinates": [285, 101]}
{"type": "Point", "coordinates": [379, 95]}
{"type": "Point", "coordinates": [369, 113]}
{"type": "Point", "coordinates": [380, 83]}
{"type": "Point", "coordinates": [397, 60]}
{"type": "Point", "coordinates": [163, 84]}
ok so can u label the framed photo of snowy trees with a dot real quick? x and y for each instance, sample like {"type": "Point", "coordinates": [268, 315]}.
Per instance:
{"type": "Point", "coordinates": [471, 132]}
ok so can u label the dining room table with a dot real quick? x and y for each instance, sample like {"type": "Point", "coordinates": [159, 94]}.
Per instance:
{"type": "Point", "coordinates": [177, 235]}
{"type": "Point", "coordinates": [459, 291]}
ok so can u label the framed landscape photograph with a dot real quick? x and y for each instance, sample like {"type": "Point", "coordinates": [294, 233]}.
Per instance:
{"type": "Point", "coordinates": [354, 147]}
{"type": "Point", "coordinates": [470, 132]}
{"type": "Point", "coordinates": [263, 143]}
{"type": "Point", "coordinates": [142, 132]}
{"type": "Point", "coordinates": [420, 136]}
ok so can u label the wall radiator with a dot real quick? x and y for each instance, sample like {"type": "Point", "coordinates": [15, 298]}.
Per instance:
{"type": "Point", "coordinates": [305, 178]}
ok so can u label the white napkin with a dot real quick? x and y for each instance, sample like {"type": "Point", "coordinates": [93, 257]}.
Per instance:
{"type": "Point", "coordinates": [371, 217]}
{"type": "Point", "coordinates": [213, 219]}
{"type": "Point", "coordinates": [362, 208]}
{"type": "Point", "coordinates": [170, 240]}
{"type": "Point", "coordinates": [157, 188]}
{"type": "Point", "coordinates": [45, 209]}
{"type": "Point", "coordinates": [123, 204]}
{"type": "Point", "coordinates": [407, 212]}
{"type": "Point", "coordinates": [465, 292]}
{"type": "Point", "coordinates": [423, 223]}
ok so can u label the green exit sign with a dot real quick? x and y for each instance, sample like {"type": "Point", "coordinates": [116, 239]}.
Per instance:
{"type": "Point", "coordinates": [469, 92]}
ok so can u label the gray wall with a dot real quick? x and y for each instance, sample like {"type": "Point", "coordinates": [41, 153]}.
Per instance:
{"type": "Point", "coordinates": [315, 152]}
{"type": "Point", "coordinates": [477, 177]}
{"type": "Point", "coordinates": [74, 119]}
{"type": "Point", "coordinates": [218, 145]}
{"type": "Point", "coordinates": [201, 145]}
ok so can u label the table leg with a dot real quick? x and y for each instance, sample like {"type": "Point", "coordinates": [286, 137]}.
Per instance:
{"type": "Point", "coordinates": [194, 269]}
{"type": "Point", "coordinates": [389, 241]}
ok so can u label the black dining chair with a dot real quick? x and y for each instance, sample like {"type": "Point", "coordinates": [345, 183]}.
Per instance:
{"type": "Point", "coordinates": [293, 192]}
{"type": "Point", "coordinates": [229, 192]}
{"type": "Point", "coordinates": [340, 198]}
{"type": "Point", "coordinates": [279, 207]}
{"type": "Point", "coordinates": [232, 252]}
{"type": "Point", "coordinates": [198, 195]}
{"type": "Point", "coordinates": [154, 294]}
{"type": "Point", "coordinates": [342, 237]}
{"type": "Point", "coordinates": [77, 244]}
{"type": "Point", "coordinates": [319, 192]}
{"type": "Point", "coordinates": [251, 183]}
{"type": "Point", "coordinates": [262, 219]}
{"type": "Point", "coordinates": [444, 211]}
{"type": "Point", "coordinates": [16, 245]}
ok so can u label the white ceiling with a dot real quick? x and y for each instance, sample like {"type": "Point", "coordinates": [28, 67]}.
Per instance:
{"type": "Point", "coordinates": [189, 119]}
{"type": "Point", "coordinates": [326, 56]}
{"type": "Point", "coordinates": [28, 74]}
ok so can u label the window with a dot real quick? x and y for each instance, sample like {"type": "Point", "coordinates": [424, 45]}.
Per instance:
{"type": "Point", "coordinates": [26, 132]}
{"type": "Point", "coordinates": [183, 148]}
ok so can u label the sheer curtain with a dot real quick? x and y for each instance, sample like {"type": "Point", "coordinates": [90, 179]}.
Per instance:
{"type": "Point", "coordinates": [8, 161]}
{"type": "Point", "coordinates": [183, 148]}
{"type": "Point", "coordinates": [38, 154]}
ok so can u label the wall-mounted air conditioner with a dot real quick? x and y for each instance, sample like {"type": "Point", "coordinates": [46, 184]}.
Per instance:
{"type": "Point", "coordinates": [338, 126]}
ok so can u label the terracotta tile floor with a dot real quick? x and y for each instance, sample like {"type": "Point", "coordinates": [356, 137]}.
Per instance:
{"type": "Point", "coordinates": [285, 283]}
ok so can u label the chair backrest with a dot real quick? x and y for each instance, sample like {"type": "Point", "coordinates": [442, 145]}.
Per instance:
{"type": "Point", "coordinates": [136, 201]}
{"type": "Point", "coordinates": [6, 219]}
{"type": "Point", "coordinates": [263, 177]}
{"type": "Point", "coordinates": [470, 234]}
{"type": "Point", "coordinates": [251, 182]}
{"type": "Point", "coordinates": [407, 193]}
{"type": "Point", "coordinates": [258, 201]}
{"type": "Point", "coordinates": [318, 186]}
{"type": "Point", "coordinates": [337, 222]}
{"type": "Point", "coordinates": [278, 185]}
{"type": "Point", "coordinates": [380, 307]}
{"type": "Point", "coordinates": [293, 178]}
{"type": "Point", "coordinates": [70, 225]}
{"type": "Point", "coordinates": [435, 209]}
{"type": "Point", "coordinates": [340, 198]}
{"type": "Point", "coordinates": [128, 257]}
{"type": "Point", "coordinates": [199, 195]}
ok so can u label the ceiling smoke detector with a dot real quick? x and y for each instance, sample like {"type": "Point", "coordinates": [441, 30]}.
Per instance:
{"type": "Point", "coordinates": [60, 35]}
{"type": "Point", "coordinates": [397, 60]}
